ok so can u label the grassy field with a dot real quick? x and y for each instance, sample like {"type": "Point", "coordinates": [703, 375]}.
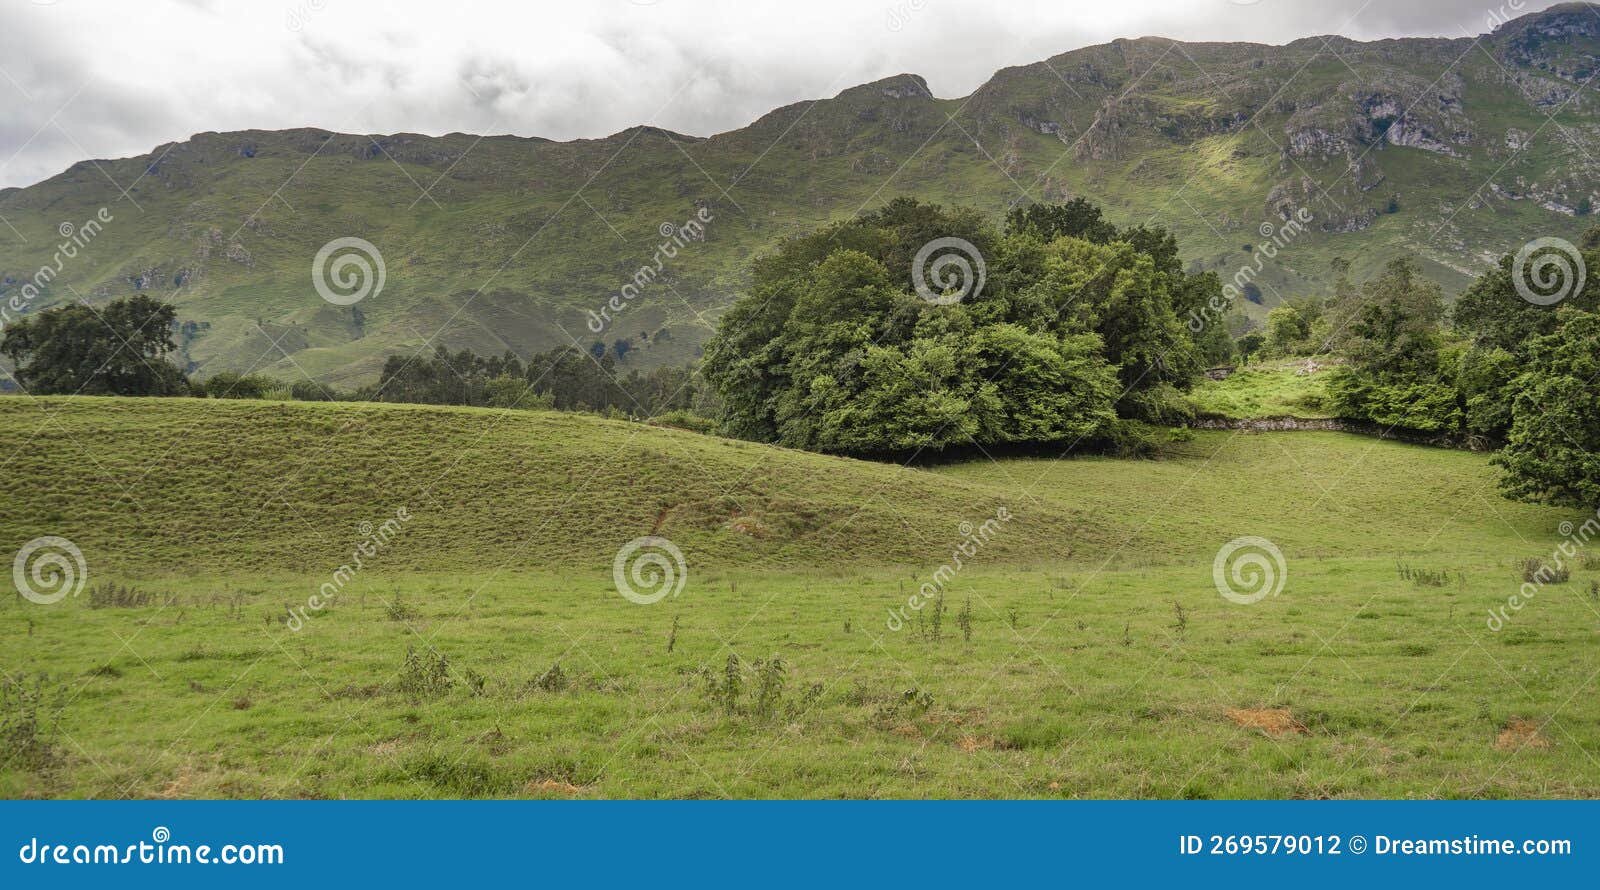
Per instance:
{"type": "Point", "coordinates": [1083, 650]}
{"type": "Point", "coordinates": [1267, 389]}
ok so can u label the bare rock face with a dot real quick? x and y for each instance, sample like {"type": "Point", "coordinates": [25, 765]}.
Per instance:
{"type": "Point", "coordinates": [910, 86]}
{"type": "Point", "coordinates": [1102, 140]}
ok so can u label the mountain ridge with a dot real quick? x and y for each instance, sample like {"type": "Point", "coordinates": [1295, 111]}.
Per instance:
{"type": "Point", "coordinates": [1414, 145]}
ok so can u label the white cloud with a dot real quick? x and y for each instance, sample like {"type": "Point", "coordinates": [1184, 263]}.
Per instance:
{"type": "Point", "coordinates": [99, 78]}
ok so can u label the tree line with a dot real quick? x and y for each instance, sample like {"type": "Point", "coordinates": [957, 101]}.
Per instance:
{"type": "Point", "coordinates": [127, 347]}
{"type": "Point", "coordinates": [1054, 329]}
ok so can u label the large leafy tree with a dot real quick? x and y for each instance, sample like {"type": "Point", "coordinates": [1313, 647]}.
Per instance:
{"type": "Point", "coordinates": [831, 349]}
{"type": "Point", "coordinates": [1399, 373]}
{"type": "Point", "coordinates": [119, 349]}
{"type": "Point", "coordinates": [1552, 452]}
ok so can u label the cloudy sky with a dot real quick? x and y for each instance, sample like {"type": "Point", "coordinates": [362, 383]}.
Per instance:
{"type": "Point", "coordinates": [102, 78]}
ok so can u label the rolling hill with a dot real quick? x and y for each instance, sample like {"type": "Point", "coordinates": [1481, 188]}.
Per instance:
{"type": "Point", "coordinates": [277, 486]}
{"type": "Point", "coordinates": [1083, 650]}
{"type": "Point", "coordinates": [1452, 150]}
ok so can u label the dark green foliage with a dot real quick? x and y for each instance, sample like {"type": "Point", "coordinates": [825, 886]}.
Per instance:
{"type": "Point", "coordinates": [832, 350]}
{"type": "Point", "coordinates": [1495, 316]}
{"type": "Point", "coordinates": [1251, 345]}
{"type": "Point", "coordinates": [1484, 378]}
{"type": "Point", "coordinates": [120, 349]}
{"type": "Point", "coordinates": [552, 680]}
{"type": "Point", "coordinates": [1398, 375]}
{"type": "Point", "coordinates": [310, 391]}
{"type": "Point", "coordinates": [444, 378]}
{"type": "Point", "coordinates": [566, 379]}
{"type": "Point", "coordinates": [228, 385]}
{"type": "Point", "coordinates": [1078, 218]}
{"type": "Point", "coordinates": [1552, 451]}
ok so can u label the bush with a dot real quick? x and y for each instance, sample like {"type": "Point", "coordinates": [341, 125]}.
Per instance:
{"type": "Point", "coordinates": [1132, 438]}
{"type": "Point", "coordinates": [514, 392]}
{"type": "Point", "coordinates": [310, 391]}
{"type": "Point", "coordinates": [1163, 405]}
{"type": "Point", "coordinates": [229, 385]}
{"type": "Point", "coordinates": [684, 420]}
{"type": "Point", "coordinates": [1537, 571]}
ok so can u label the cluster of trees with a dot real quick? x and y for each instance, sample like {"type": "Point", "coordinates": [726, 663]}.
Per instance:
{"type": "Point", "coordinates": [119, 350]}
{"type": "Point", "coordinates": [566, 379]}
{"type": "Point", "coordinates": [1078, 327]}
{"type": "Point", "coordinates": [126, 348]}
{"type": "Point", "coordinates": [1081, 332]}
{"type": "Point", "coordinates": [1493, 367]}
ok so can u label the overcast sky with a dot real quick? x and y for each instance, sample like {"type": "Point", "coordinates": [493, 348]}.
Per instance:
{"type": "Point", "coordinates": [102, 78]}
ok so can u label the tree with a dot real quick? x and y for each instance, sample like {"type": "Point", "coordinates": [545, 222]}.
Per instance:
{"type": "Point", "coordinates": [1285, 329]}
{"type": "Point", "coordinates": [831, 350]}
{"type": "Point", "coordinates": [1078, 218]}
{"type": "Point", "coordinates": [120, 349]}
{"type": "Point", "coordinates": [1397, 374]}
{"type": "Point", "coordinates": [1552, 453]}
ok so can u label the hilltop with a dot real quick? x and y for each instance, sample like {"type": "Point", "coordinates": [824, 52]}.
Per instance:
{"type": "Point", "coordinates": [1452, 150]}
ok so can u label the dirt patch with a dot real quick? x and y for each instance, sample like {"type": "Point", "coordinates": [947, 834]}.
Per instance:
{"type": "Point", "coordinates": [385, 748]}
{"type": "Point", "coordinates": [750, 526]}
{"type": "Point", "coordinates": [1275, 722]}
{"type": "Point", "coordinates": [551, 786]}
{"type": "Point", "coordinates": [971, 743]}
{"type": "Point", "coordinates": [1520, 734]}
{"type": "Point", "coordinates": [906, 728]}
{"type": "Point", "coordinates": [181, 786]}
{"type": "Point", "coordinates": [661, 519]}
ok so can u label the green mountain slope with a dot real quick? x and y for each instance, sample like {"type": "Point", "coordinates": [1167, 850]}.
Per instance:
{"type": "Point", "coordinates": [1453, 150]}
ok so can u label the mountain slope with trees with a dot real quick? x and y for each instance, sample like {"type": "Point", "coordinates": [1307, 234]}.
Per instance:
{"type": "Point", "coordinates": [1454, 151]}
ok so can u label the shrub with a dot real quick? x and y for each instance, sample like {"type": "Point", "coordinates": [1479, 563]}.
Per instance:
{"type": "Point", "coordinates": [425, 675]}
{"type": "Point", "coordinates": [683, 419]}
{"type": "Point", "coordinates": [1537, 571]}
{"type": "Point", "coordinates": [228, 385]}
{"type": "Point", "coordinates": [311, 391]}
{"type": "Point", "coordinates": [28, 713]}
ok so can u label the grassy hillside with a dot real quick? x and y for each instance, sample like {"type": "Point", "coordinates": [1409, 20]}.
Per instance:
{"type": "Point", "coordinates": [1095, 658]}
{"type": "Point", "coordinates": [1441, 149]}
{"type": "Point", "coordinates": [268, 486]}
{"type": "Point", "coordinates": [1276, 388]}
